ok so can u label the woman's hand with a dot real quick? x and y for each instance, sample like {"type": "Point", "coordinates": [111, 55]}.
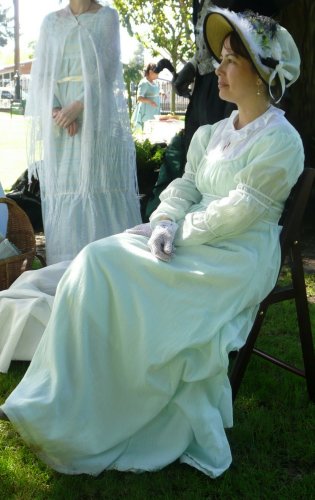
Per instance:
{"type": "Point", "coordinates": [55, 111]}
{"type": "Point", "coordinates": [66, 116]}
{"type": "Point", "coordinates": [146, 100]}
{"type": "Point", "coordinates": [161, 240]}
{"type": "Point", "coordinates": [73, 128]}
{"type": "Point", "coordinates": [141, 230]}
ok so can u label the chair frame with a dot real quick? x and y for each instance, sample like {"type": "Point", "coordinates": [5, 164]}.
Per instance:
{"type": "Point", "coordinates": [290, 253]}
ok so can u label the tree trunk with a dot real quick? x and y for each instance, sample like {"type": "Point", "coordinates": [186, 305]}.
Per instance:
{"type": "Point", "coordinates": [129, 100]}
{"type": "Point", "coordinates": [17, 50]}
{"type": "Point", "coordinates": [299, 19]}
{"type": "Point", "coordinates": [173, 107]}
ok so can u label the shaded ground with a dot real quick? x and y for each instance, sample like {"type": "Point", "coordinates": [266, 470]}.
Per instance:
{"type": "Point", "coordinates": [40, 244]}
{"type": "Point", "coordinates": [308, 238]}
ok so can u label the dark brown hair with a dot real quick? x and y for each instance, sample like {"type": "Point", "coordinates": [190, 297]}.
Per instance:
{"type": "Point", "coordinates": [239, 48]}
{"type": "Point", "coordinates": [150, 67]}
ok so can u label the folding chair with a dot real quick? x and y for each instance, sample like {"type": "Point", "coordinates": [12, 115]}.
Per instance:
{"type": "Point", "coordinates": [290, 253]}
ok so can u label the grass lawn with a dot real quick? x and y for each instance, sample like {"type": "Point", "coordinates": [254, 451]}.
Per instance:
{"type": "Point", "coordinates": [272, 440]}
{"type": "Point", "coordinates": [12, 148]}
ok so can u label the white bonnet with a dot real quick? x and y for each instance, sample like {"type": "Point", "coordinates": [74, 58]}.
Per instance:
{"type": "Point", "coordinates": [270, 47]}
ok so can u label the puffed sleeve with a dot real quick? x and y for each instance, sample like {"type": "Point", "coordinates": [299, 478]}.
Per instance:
{"type": "Point", "coordinates": [272, 167]}
{"type": "Point", "coordinates": [182, 193]}
{"type": "Point", "coordinates": [142, 89]}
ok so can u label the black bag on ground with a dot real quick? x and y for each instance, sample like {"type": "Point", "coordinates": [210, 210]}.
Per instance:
{"type": "Point", "coordinates": [27, 196]}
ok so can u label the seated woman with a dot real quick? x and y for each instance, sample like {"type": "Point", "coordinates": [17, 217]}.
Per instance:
{"type": "Point", "coordinates": [131, 372]}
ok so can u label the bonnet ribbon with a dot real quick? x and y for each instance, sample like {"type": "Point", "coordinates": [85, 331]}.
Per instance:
{"type": "Point", "coordinates": [282, 74]}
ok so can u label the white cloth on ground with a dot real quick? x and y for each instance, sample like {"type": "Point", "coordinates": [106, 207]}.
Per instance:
{"type": "Point", "coordinates": [25, 309]}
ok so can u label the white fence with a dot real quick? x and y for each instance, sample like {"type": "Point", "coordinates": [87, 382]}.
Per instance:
{"type": "Point", "coordinates": [181, 103]}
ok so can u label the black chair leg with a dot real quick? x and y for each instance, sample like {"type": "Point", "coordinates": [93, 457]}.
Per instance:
{"type": "Point", "coordinates": [242, 358]}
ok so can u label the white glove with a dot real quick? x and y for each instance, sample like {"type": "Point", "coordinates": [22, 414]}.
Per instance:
{"type": "Point", "coordinates": [141, 229]}
{"type": "Point", "coordinates": [161, 241]}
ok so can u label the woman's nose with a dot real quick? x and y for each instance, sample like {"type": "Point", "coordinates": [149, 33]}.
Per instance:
{"type": "Point", "coordinates": [218, 69]}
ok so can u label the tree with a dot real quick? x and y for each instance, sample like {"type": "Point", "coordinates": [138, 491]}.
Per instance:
{"type": "Point", "coordinates": [5, 27]}
{"type": "Point", "coordinates": [299, 19]}
{"type": "Point", "coordinates": [31, 49]}
{"type": "Point", "coordinates": [163, 26]}
{"type": "Point", "coordinates": [133, 73]}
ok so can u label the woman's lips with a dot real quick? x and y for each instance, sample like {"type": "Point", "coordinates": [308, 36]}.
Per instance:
{"type": "Point", "coordinates": [222, 85]}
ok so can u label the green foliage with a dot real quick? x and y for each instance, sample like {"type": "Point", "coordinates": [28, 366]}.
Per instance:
{"type": "Point", "coordinates": [310, 285]}
{"type": "Point", "coordinates": [5, 27]}
{"type": "Point", "coordinates": [31, 48]}
{"type": "Point", "coordinates": [37, 264]}
{"type": "Point", "coordinates": [163, 26]}
{"type": "Point", "coordinates": [149, 156]}
{"type": "Point", "coordinates": [133, 72]}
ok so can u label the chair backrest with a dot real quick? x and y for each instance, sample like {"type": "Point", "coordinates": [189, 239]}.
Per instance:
{"type": "Point", "coordinates": [291, 221]}
{"type": "Point", "coordinates": [293, 213]}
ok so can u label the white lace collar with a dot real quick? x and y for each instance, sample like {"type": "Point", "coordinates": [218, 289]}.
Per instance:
{"type": "Point", "coordinates": [261, 121]}
{"type": "Point", "coordinates": [230, 138]}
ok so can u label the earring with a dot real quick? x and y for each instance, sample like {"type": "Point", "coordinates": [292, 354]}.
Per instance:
{"type": "Point", "coordinates": [259, 82]}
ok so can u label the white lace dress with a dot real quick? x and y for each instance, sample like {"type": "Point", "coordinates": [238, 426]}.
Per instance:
{"type": "Point", "coordinates": [88, 181]}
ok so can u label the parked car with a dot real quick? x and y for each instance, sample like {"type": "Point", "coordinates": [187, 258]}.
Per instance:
{"type": "Point", "coordinates": [6, 97]}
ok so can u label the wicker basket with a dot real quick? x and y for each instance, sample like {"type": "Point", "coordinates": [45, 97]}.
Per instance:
{"type": "Point", "coordinates": [20, 232]}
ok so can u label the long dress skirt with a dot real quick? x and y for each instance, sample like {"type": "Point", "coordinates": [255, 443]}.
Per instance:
{"type": "Point", "coordinates": [131, 372]}
{"type": "Point", "coordinates": [72, 220]}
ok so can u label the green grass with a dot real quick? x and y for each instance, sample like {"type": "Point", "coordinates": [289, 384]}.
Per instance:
{"type": "Point", "coordinates": [272, 440]}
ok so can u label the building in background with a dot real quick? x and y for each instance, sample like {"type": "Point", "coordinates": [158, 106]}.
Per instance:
{"type": "Point", "coordinates": [7, 76]}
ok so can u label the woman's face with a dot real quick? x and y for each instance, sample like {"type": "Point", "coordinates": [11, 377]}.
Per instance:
{"type": "Point", "coordinates": [152, 75]}
{"type": "Point", "coordinates": [237, 79]}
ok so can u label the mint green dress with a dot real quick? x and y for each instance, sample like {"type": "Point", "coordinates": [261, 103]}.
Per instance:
{"type": "Point", "coordinates": [143, 110]}
{"type": "Point", "coordinates": [131, 372]}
